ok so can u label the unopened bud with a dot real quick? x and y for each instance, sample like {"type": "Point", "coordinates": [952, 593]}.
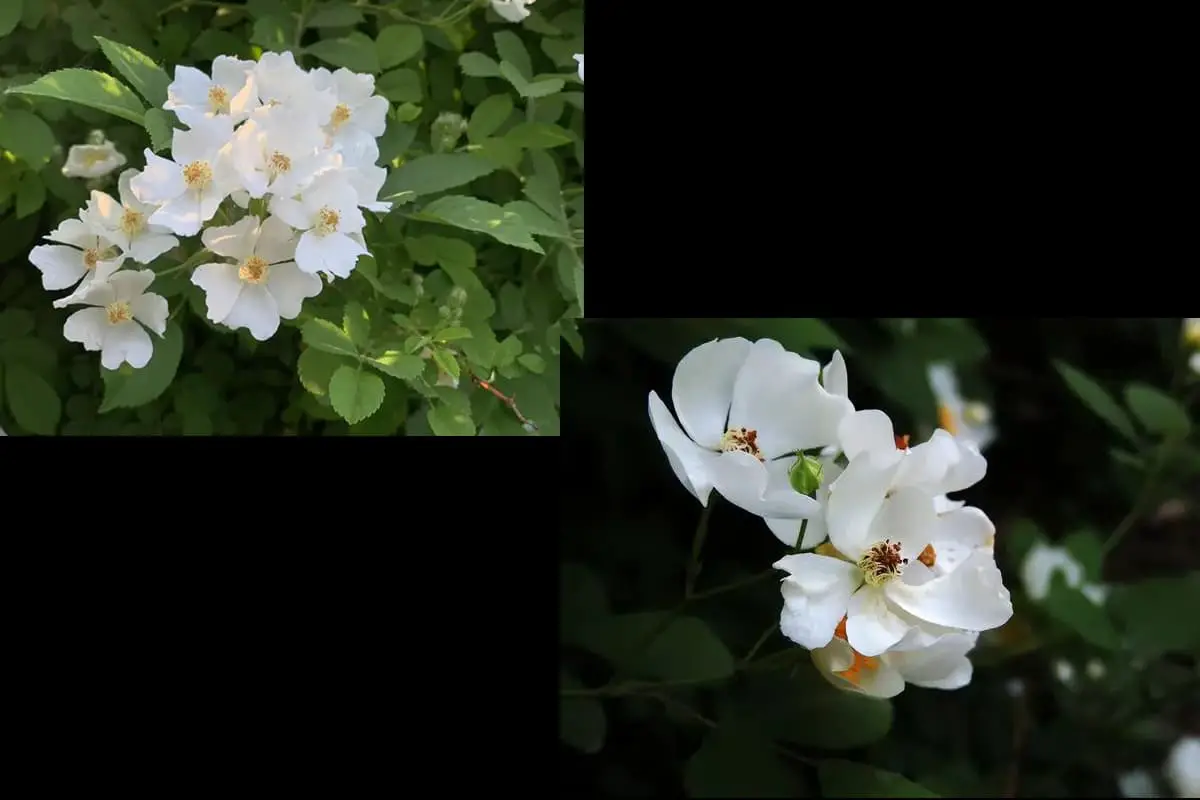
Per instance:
{"type": "Point", "coordinates": [96, 137]}
{"type": "Point", "coordinates": [418, 285]}
{"type": "Point", "coordinates": [446, 130]}
{"type": "Point", "coordinates": [444, 312]}
{"type": "Point", "coordinates": [805, 475]}
{"type": "Point", "coordinates": [458, 297]}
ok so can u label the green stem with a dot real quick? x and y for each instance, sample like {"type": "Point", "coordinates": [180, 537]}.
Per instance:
{"type": "Point", "coordinates": [761, 641]}
{"type": "Point", "coordinates": [800, 535]}
{"type": "Point", "coordinates": [195, 259]}
{"type": "Point", "coordinates": [693, 568]}
{"type": "Point", "coordinates": [1145, 498]}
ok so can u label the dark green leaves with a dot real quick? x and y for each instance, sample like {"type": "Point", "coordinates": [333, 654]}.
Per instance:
{"type": "Point", "coordinates": [1158, 615]}
{"type": "Point", "coordinates": [685, 648]}
{"type": "Point", "coordinates": [736, 760]}
{"type": "Point", "coordinates": [397, 44]}
{"type": "Point", "coordinates": [473, 214]}
{"type": "Point", "coordinates": [581, 720]}
{"type": "Point", "coordinates": [1098, 401]}
{"type": "Point", "coordinates": [1157, 412]}
{"type": "Point", "coordinates": [26, 136]}
{"type": "Point", "coordinates": [435, 173]}
{"type": "Point", "coordinates": [33, 402]}
{"type": "Point", "coordinates": [849, 779]}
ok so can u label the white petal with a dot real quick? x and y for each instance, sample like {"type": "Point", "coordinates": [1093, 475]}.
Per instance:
{"type": "Point", "coordinates": [942, 665]}
{"type": "Point", "coordinates": [292, 212]}
{"type": "Point", "coordinates": [1040, 564]}
{"type": "Point", "coordinates": [159, 181]}
{"type": "Point", "coordinates": [907, 516]}
{"type": "Point", "coordinates": [276, 241]}
{"type": "Point", "coordinates": [928, 463]}
{"type": "Point", "coordinates": [972, 597]}
{"type": "Point", "coordinates": [871, 627]}
{"type": "Point", "coordinates": [151, 311]}
{"type": "Point", "coordinates": [702, 388]}
{"type": "Point", "coordinates": [232, 241]}
{"type": "Point", "coordinates": [74, 231]}
{"type": "Point", "coordinates": [190, 88]}
{"type": "Point", "coordinates": [815, 596]}
{"type": "Point", "coordinates": [221, 287]}
{"type": "Point", "coordinates": [149, 246]}
{"type": "Point", "coordinates": [255, 309]}
{"type": "Point", "coordinates": [126, 342]}
{"type": "Point", "coordinates": [867, 431]}
{"type": "Point", "coordinates": [688, 460]}
{"type": "Point", "coordinates": [967, 471]}
{"type": "Point", "coordinates": [86, 326]}
{"type": "Point", "coordinates": [61, 266]}
{"type": "Point", "coordinates": [128, 284]}
{"type": "Point", "coordinates": [854, 500]}
{"type": "Point", "coordinates": [289, 285]}
{"type": "Point", "coordinates": [180, 214]}
{"type": "Point", "coordinates": [336, 253]}
{"type": "Point", "coordinates": [746, 482]}
{"type": "Point", "coordinates": [966, 525]}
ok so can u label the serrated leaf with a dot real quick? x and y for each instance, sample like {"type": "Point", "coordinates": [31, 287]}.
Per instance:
{"type": "Point", "coordinates": [537, 135]}
{"type": "Point", "coordinates": [315, 368]}
{"type": "Point", "coordinates": [1098, 401]}
{"type": "Point", "coordinates": [355, 394]}
{"type": "Point", "coordinates": [136, 387]}
{"type": "Point", "coordinates": [324, 335]}
{"type": "Point", "coordinates": [397, 44]}
{"type": "Point", "coordinates": [87, 88]}
{"type": "Point", "coordinates": [26, 136]}
{"type": "Point", "coordinates": [488, 117]}
{"type": "Point", "coordinates": [542, 88]}
{"type": "Point", "coordinates": [159, 125]}
{"type": "Point", "coordinates": [511, 74]}
{"type": "Point", "coordinates": [435, 173]}
{"type": "Point", "coordinates": [145, 76]}
{"type": "Point", "coordinates": [1157, 411]}
{"type": "Point", "coordinates": [356, 324]}
{"type": "Point", "coordinates": [452, 334]}
{"type": "Point", "coordinates": [473, 214]}
{"type": "Point", "coordinates": [446, 362]}
{"type": "Point", "coordinates": [398, 364]}
{"type": "Point", "coordinates": [355, 52]}
{"type": "Point", "coordinates": [841, 778]}
{"type": "Point", "coordinates": [32, 401]}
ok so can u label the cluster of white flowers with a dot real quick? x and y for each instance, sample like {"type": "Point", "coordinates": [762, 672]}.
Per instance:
{"type": "Point", "coordinates": [293, 151]}
{"type": "Point", "coordinates": [907, 579]}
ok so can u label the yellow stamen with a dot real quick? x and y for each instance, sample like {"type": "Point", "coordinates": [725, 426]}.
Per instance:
{"type": "Point", "coordinates": [118, 312]}
{"type": "Point", "coordinates": [197, 175]}
{"type": "Point", "coordinates": [742, 440]}
{"type": "Point", "coordinates": [341, 115]}
{"type": "Point", "coordinates": [327, 221]}
{"type": "Point", "coordinates": [132, 222]}
{"type": "Point", "coordinates": [218, 100]}
{"type": "Point", "coordinates": [253, 270]}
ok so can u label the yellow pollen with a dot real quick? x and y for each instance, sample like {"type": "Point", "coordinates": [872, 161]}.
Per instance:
{"type": "Point", "coordinates": [741, 440]}
{"type": "Point", "coordinates": [132, 221]}
{"type": "Point", "coordinates": [928, 556]}
{"type": "Point", "coordinates": [90, 257]}
{"type": "Point", "coordinates": [341, 115]}
{"type": "Point", "coordinates": [93, 157]}
{"type": "Point", "coordinates": [279, 163]}
{"type": "Point", "coordinates": [327, 221]}
{"type": "Point", "coordinates": [253, 270]}
{"type": "Point", "coordinates": [946, 420]}
{"type": "Point", "coordinates": [118, 312]}
{"type": "Point", "coordinates": [882, 563]}
{"type": "Point", "coordinates": [218, 100]}
{"type": "Point", "coordinates": [197, 175]}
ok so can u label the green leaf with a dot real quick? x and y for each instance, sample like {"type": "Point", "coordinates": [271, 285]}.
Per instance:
{"type": "Point", "coordinates": [324, 335]}
{"type": "Point", "coordinates": [513, 75]}
{"type": "Point", "coordinates": [356, 324]}
{"type": "Point", "coordinates": [399, 365]}
{"type": "Point", "coordinates": [33, 402]}
{"type": "Point", "coordinates": [397, 44]}
{"type": "Point", "coordinates": [148, 78]}
{"type": "Point", "coordinates": [355, 394]}
{"type": "Point", "coordinates": [1074, 610]}
{"type": "Point", "coordinates": [26, 136]}
{"type": "Point", "coordinates": [435, 173]}
{"type": "Point", "coordinates": [537, 135]}
{"type": "Point", "coordinates": [354, 51]}
{"type": "Point", "coordinates": [452, 334]}
{"type": "Point", "coordinates": [538, 221]}
{"type": "Point", "coordinates": [737, 760]}
{"type": "Point", "coordinates": [570, 271]}
{"type": "Point", "coordinates": [532, 362]}
{"type": "Point", "coordinates": [15, 323]}
{"type": "Point", "coordinates": [478, 65]}
{"type": "Point", "coordinates": [1157, 411]}
{"type": "Point", "coordinates": [850, 779]}
{"type": "Point", "coordinates": [1085, 546]}
{"type": "Point", "coordinates": [272, 32]}
{"type": "Point", "coordinates": [685, 650]}
{"type": "Point", "coordinates": [159, 125]}
{"type": "Point", "coordinates": [488, 116]}
{"type": "Point", "coordinates": [542, 88]}
{"type": "Point", "coordinates": [512, 50]}
{"type": "Point", "coordinates": [446, 362]}
{"type": "Point", "coordinates": [315, 368]}
{"type": "Point", "coordinates": [1096, 399]}
{"type": "Point", "coordinates": [335, 17]}
{"type": "Point", "coordinates": [10, 15]}
{"type": "Point", "coordinates": [401, 86]}
{"type": "Point", "coordinates": [581, 720]}
{"type": "Point", "coordinates": [140, 386]}
{"type": "Point", "coordinates": [87, 88]}
{"type": "Point", "coordinates": [447, 421]}
{"type": "Point", "coordinates": [1158, 615]}
{"type": "Point", "coordinates": [473, 214]}
{"type": "Point", "coordinates": [582, 602]}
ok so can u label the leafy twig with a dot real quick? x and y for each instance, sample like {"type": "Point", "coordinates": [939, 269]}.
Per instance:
{"type": "Point", "coordinates": [527, 423]}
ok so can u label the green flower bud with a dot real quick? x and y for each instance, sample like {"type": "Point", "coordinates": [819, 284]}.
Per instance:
{"type": "Point", "coordinates": [457, 298]}
{"type": "Point", "coordinates": [805, 475]}
{"type": "Point", "coordinates": [446, 130]}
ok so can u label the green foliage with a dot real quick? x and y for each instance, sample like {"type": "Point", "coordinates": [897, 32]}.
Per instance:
{"type": "Point", "coordinates": [1098, 401]}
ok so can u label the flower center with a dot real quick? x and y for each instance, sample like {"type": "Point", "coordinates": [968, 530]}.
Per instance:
{"type": "Point", "coordinates": [882, 563]}
{"type": "Point", "coordinates": [118, 312]}
{"type": "Point", "coordinates": [132, 221]}
{"type": "Point", "coordinates": [741, 440]}
{"type": "Point", "coordinates": [279, 163]}
{"type": "Point", "coordinates": [853, 673]}
{"type": "Point", "coordinates": [90, 257]}
{"type": "Point", "coordinates": [218, 100]}
{"type": "Point", "coordinates": [197, 175]}
{"type": "Point", "coordinates": [93, 157]}
{"type": "Point", "coordinates": [327, 221]}
{"type": "Point", "coordinates": [253, 270]}
{"type": "Point", "coordinates": [341, 115]}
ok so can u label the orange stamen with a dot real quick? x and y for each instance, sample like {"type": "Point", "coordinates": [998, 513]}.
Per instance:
{"type": "Point", "coordinates": [902, 442]}
{"type": "Point", "coordinates": [928, 556]}
{"type": "Point", "coordinates": [946, 420]}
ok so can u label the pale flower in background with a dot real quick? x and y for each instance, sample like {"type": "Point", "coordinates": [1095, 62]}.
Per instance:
{"type": "Point", "coordinates": [1136, 783]}
{"type": "Point", "coordinates": [970, 421]}
{"type": "Point", "coordinates": [512, 10]}
{"type": "Point", "coordinates": [90, 256]}
{"type": "Point", "coordinates": [1194, 362]}
{"type": "Point", "coordinates": [1183, 767]}
{"type": "Point", "coordinates": [112, 326]}
{"type": "Point", "coordinates": [1095, 669]}
{"type": "Point", "coordinates": [92, 160]}
{"type": "Point", "coordinates": [262, 285]}
{"type": "Point", "coordinates": [744, 406]}
{"type": "Point", "coordinates": [1064, 671]}
{"type": "Point", "coordinates": [126, 223]}
{"type": "Point", "coordinates": [1039, 566]}
{"type": "Point", "coordinates": [579, 57]}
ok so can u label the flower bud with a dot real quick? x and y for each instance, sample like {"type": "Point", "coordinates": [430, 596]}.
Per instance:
{"type": "Point", "coordinates": [96, 137]}
{"type": "Point", "coordinates": [805, 475]}
{"type": "Point", "coordinates": [446, 130]}
{"type": "Point", "coordinates": [457, 298]}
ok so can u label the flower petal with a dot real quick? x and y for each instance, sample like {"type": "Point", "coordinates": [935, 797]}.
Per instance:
{"type": "Point", "coordinates": [854, 500]}
{"type": "Point", "coordinates": [866, 431]}
{"type": "Point", "coordinates": [232, 241]}
{"type": "Point", "coordinates": [834, 377]}
{"type": "Point", "coordinates": [702, 388]}
{"type": "Point", "coordinates": [942, 665]}
{"type": "Point", "coordinates": [688, 460]}
{"type": "Point", "coordinates": [126, 342]}
{"type": "Point", "coordinates": [747, 483]}
{"type": "Point", "coordinates": [255, 310]}
{"type": "Point", "coordinates": [871, 627]}
{"type": "Point", "coordinates": [815, 596]}
{"type": "Point", "coordinates": [86, 326]}
{"type": "Point", "coordinates": [972, 597]}
{"type": "Point", "coordinates": [289, 285]}
{"type": "Point", "coordinates": [61, 266]}
{"type": "Point", "coordinates": [906, 516]}
{"type": "Point", "coordinates": [151, 311]}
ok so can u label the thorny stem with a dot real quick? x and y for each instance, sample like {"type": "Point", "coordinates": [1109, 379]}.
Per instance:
{"type": "Point", "coordinates": [511, 402]}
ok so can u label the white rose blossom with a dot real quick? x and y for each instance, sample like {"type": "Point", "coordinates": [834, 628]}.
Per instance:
{"type": "Point", "coordinates": [119, 307]}
{"type": "Point", "coordinates": [744, 407]}
{"type": "Point", "coordinates": [327, 215]}
{"type": "Point", "coordinates": [579, 58]}
{"type": "Point", "coordinates": [189, 188]}
{"type": "Point", "coordinates": [1183, 767]}
{"type": "Point", "coordinates": [85, 254]}
{"type": "Point", "coordinates": [127, 224]}
{"type": "Point", "coordinates": [969, 420]}
{"type": "Point", "coordinates": [512, 10]}
{"type": "Point", "coordinates": [230, 92]}
{"type": "Point", "coordinates": [92, 160]}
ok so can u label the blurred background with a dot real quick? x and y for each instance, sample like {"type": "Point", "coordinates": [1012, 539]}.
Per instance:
{"type": "Point", "coordinates": [1086, 424]}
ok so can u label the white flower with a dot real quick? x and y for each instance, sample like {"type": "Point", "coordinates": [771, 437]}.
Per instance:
{"type": "Point", "coordinates": [126, 223]}
{"type": "Point", "coordinates": [278, 152]}
{"type": "Point", "coordinates": [743, 406]}
{"type": "Point", "coordinates": [358, 167]}
{"type": "Point", "coordinates": [92, 160]}
{"type": "Point", "coordinates": [263, 284]}
{"type": "Point", "coordinates": [281, 81]}
{"type": "Point", "coordinates": [886, 538]}
{"type": "Point", "coordinates": [1064, 672]}
{"type": "Point", "coordinates": [1136, 783]}
{"type": "Point", "coordinates": [512, 10]}
{"type": "Point", "coordinates": [189, 188]}
{"type": "Point", "coordinates": [328, 214]}
{"type": "Point", "coordinates": [1039, 566]}
{"type": "Point", "coordinates": [971, 421]}
{"type": "Point", "coordinates": [579, 57]}
{"type": "Point", "coordinates": [359, 113]}
{"type": "Point", "coordinates": [1095, 669]}
{"type": "Point", "coordinates": [230, 92]}
{"type": "Point", "coordinates": [111, 325]}
{"type": "Point", "coordinates": [1183, 767]}
{"type": "Point", "coordinates": [940, 665]}
{"type": "Point", "coordinates": [92, 255]}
